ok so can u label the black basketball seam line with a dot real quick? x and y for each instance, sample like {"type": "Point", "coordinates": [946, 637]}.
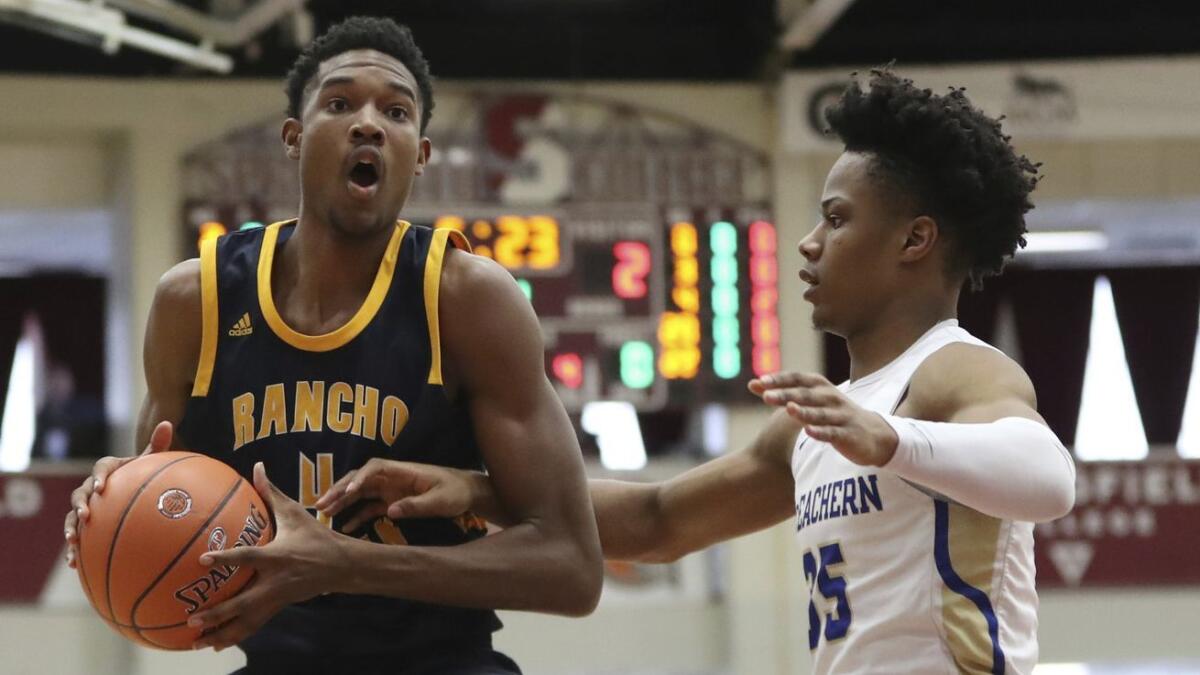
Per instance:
{"type": "Point", "coordinates": [237, 484]}
{"type": "Point", "coordinates": [121, 524]}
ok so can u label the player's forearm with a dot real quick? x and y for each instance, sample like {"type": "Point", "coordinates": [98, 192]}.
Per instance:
{"type": "Point", "coordinates": [523, 567]}
{"type": "Point", "coordinates": [629, 519]}
{"type": "Point", "coordinates": [1013, 468]}
{"type": "Point", "coordinates": [627, 516]}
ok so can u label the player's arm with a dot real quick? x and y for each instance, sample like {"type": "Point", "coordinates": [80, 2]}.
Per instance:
{"type": "Point", "coordinates": [968, 429]}
{"type": "Point", "coordinates": [733, 495]}
{"type": "Point", "coordinates": [727, 497]}
{"type": "Point", "coordinates": [169, 355]}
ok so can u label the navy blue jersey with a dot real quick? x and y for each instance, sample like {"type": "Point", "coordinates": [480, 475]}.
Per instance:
{"type": "Point", "coordinates": [314, 407]}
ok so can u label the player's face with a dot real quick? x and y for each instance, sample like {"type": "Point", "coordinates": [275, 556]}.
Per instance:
{"type": "Point", "coordinates": [359, 141]}
{"type": "Point", "coordinates": [851, 256]}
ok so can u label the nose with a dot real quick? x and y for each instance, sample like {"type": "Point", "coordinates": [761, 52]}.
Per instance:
{"type": "Point", "coordinates": [810, 245]}
{"type": "Point", "coordinates": [366, 130]}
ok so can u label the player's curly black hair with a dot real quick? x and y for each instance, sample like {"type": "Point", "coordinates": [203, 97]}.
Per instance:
{"type": "Point", "coordinates": [948, 159]}
{"type": "Point", "coordinates": [361, 32]}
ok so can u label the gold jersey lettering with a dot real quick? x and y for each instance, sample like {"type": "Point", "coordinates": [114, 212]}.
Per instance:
{"type": "Point", "coordinates": [395, 416]}
{"type": "Point", "coordinates": [366, 411]}
{"type": "Point", "coordinates": [307, 412]}
{"type": "Point", "coordinates": [274, 413]}
{"type": "Point", "coordinates": [315, 480]}
{"type": "Point", "coordinates": [337, 419]}
{"type": "Point", "coordinates": [243, 420]}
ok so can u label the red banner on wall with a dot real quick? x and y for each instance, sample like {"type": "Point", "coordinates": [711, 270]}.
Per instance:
{"type": "Point", "coordinates": [1134, 523]}
{"type": "Point", "coordinates": [31, 531]}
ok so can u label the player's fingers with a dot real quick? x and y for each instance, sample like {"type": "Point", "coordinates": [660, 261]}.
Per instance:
{"type": "Point", "coordinates": [71, 526]}
{"type": "Point", "coordinates": [79, 500]}
{"type": "Point", "coordinates": [252, 556]}
{"type": "Point", "coordinates": [811, 415]}
{"type": "Point", "coordinates": [101, 470]}
{"type": "Point", "coordinates": [756, 386]}
{"type": "Point", "coordinates": [365, 476]}
{"type": "Point", "coordinates": [279, 503]}
{"type": "Point", "coordinates": [335, 492]}
{"type": "Point", "coordinates": [800, 395]}
{"type": "Point", "coordinates": [432, 504]}
{"type": "Point", "coordinates": [225, 634]}
{"type": "Point", "coordinates": [825, 434]}
{"type": "Point", "coordinates": [370, 511]}
{"type": "Point", "coordinates": [792, 379]}
{"type": "Point", "coordinates": [160, 438]}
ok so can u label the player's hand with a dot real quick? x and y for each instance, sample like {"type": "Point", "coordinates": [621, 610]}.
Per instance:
{"type": "Point", "coordinates": [403, 490]}
{"type": "Point", "coordinates": [302, 561]}
{"type": "Point", "coordinates": [160, 440]}
{"type": "Point", "coordinates": [828, 415]}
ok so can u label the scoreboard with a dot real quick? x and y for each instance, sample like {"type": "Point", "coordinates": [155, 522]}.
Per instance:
{"type": "Point", "coordinates": [663, 308]}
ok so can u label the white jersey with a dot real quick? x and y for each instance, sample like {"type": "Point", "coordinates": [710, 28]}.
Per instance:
{"type": "Point", "coordinates": [901, 579]}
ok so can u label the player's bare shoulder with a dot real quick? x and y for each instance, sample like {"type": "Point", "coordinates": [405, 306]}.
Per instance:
{"type": "Point", "coordinates": [175, 327]}
{"type": "Point", "coordinates": [961, 372]}
{"type": "Point", "coordinates": [470, 278]}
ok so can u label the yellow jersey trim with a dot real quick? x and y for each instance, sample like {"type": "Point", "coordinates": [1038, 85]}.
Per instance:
{"type": "Point", "coordinates": [973, 540]}
{"type": "Point", "coordinates": [433, 280]}
{"type": "Point", "coordinates": [356, 324]}
{"type": "Point", "coordinates": [209, 318]}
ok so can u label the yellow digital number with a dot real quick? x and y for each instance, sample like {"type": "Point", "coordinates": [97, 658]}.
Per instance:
{"type": "Point", "coordinates": [512, 242]}
{"type": "Point", "coordinates": [543, 243]}
{"type": "Point", "coordinates": [450, 222]}
{"type": "Point", "coordinates": [679, 335]}
{"type": "Point", "coordinates": [684, 240]}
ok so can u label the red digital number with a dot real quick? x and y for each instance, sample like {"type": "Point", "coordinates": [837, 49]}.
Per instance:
{"type": "Point", "coordinates": [632, 268]}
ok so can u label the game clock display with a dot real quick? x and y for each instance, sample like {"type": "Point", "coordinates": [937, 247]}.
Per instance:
{"type": "Point", "coordinates": [660, 308]}
{"type": "Point", "coordinates": [664, 309]}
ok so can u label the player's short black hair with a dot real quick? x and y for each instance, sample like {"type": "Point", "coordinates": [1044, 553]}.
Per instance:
{"type": "Point", "coordinates": [361, 32]}
{"type": "Point", "coordinates": [948, 159]}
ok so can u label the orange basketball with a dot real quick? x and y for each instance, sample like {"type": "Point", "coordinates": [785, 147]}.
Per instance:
{"type": "Point", "coordinates": [139, 552]}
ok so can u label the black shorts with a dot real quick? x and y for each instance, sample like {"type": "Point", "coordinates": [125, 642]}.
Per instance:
{"type": "Point", "coordinates": [480, 662]}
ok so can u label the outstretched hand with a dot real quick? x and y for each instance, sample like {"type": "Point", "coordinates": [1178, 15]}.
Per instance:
{"type": "Point", "coordinates": [401, 490]}
{"type": "Point", "coordinates": [304, 560]}
{"type": "Point", "coordinates": [828, 415]}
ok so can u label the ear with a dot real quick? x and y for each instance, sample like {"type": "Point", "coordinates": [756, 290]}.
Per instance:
{"type": "Point", "coordinates": [921, 233]}
{"type": "Point", "coordinates": [423, 152]}
{"type": "Point", "coordinates": [292, 131]}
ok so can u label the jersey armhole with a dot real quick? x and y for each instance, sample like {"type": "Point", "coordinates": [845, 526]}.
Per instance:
{"type": "Point", "coordinates": [208, 305]}
{"type": "Point", "coordinates": [433, 280]}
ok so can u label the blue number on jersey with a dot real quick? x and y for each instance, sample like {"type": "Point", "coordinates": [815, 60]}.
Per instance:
{"type": "Point", "coordinates": [833, 587]}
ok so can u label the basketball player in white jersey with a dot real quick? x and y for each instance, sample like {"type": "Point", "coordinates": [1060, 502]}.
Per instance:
{"type": "Point", "coordinates": [913, 486]}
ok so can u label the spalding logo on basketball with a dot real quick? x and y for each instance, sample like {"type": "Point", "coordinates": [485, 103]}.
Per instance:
{"type": "Point", "coordinates": [139, 551]}
{"type": "Point", "coordinates": [174, 503]}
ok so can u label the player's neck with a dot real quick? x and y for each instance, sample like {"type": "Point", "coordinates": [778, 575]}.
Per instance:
{"type": "Point", "coordinates": [894, 330]}
{"type": "Point", "coordinates": [320, 277]}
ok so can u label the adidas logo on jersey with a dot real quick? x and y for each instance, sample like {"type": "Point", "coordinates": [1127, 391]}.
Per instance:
{"type": "Point", "coordinates": [242, 327]}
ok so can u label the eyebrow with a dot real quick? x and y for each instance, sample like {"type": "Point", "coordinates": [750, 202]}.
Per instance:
{"type": "Point", "coordinates": [829, 200]}
{"type": "Point", "coordinates": [346, 79]}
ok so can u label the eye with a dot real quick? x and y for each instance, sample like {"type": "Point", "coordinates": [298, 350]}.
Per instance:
{"type": "Point", "coordinates": [398, 113]}
{"type": "Point", "coordinates": [337, 105]}
{"type": "Point", "coordinates": [835, 221]}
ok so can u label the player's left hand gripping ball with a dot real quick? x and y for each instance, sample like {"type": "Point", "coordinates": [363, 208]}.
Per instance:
{"type": "Point", "coordinates": [828, 415]}
{"type": "Point", "coordinates": [299, 564]}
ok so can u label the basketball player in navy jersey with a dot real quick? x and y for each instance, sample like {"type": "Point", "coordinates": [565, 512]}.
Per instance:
{"type": "Point", "coordinates": [913, 486]}
{"type": "Point", "coordinates": [305, 349]}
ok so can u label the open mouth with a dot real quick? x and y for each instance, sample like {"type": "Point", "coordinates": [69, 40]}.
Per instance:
{"type": "Point", "coordinates": [364, 175]}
